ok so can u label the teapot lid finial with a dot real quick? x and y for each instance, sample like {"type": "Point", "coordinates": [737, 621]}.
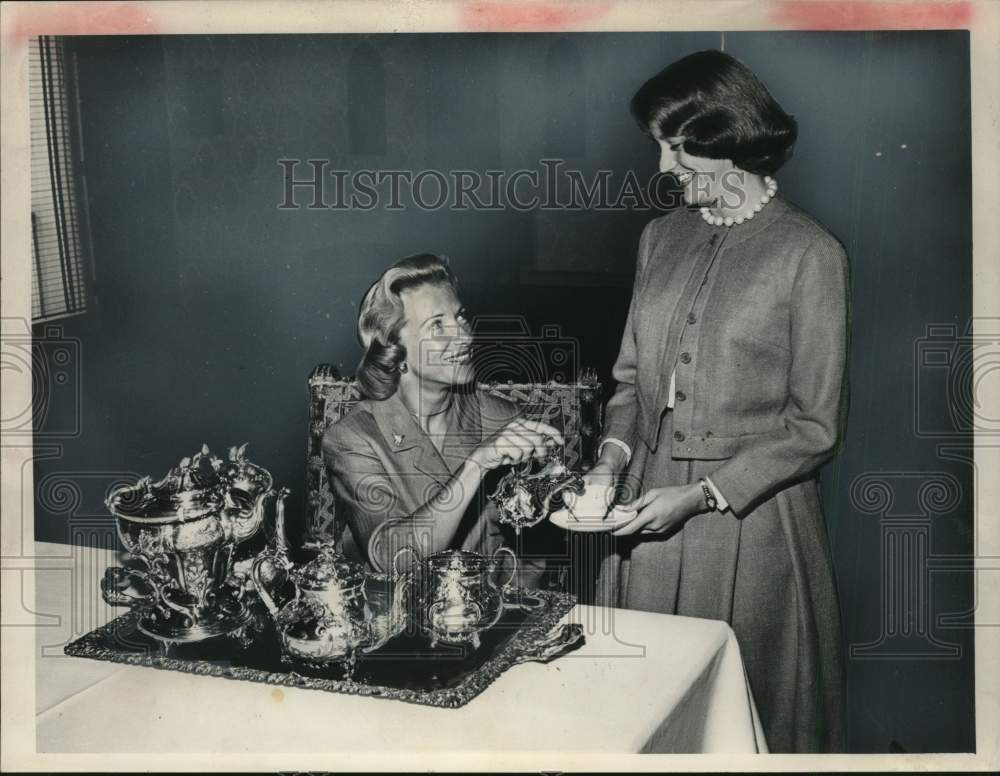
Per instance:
{"type": "Point", "coordinates": [331, 569]}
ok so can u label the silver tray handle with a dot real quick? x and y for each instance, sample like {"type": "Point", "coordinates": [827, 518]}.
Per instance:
{"type": "Point", "coordinates": [560, 640]}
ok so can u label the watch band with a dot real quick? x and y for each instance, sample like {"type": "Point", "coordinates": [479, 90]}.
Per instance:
{"type": "Point", "coordinates": [710, 500]}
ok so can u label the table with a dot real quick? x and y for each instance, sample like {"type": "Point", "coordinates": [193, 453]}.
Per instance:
{"type": "Point", "coordinates": [642, 683]}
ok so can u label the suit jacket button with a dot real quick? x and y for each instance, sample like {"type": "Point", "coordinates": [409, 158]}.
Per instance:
{"type": "Point", "coordinates": [685, 357]}
{"type": "Point", "coordinates": [679, 436]}
{"type": "Point", "coordinates": [692, 318]}
{"type": "Point", "coordinates": [680, 396]}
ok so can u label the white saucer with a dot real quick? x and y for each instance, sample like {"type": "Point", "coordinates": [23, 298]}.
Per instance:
{"type": "Point", "coordinates": [591, 523]}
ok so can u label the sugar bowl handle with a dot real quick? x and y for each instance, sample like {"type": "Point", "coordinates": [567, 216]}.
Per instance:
{"type": "Point", "coordinates": [513, 558]}
{"type": "Point", "coordinates": [396, 571]}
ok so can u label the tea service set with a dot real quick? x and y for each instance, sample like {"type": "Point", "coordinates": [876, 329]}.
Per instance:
{"type": "Point", "coordinates": [186, 575]}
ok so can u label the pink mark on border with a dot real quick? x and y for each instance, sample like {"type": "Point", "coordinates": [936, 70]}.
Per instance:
{"type": "Point", "coordinates": [498, 16]}
{"type": "Point", "coordinates": [80, 18]}
{"type": "Point", "coordinates": [867, 15]}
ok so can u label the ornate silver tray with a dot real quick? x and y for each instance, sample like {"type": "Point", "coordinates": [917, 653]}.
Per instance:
{"type": "Point", "coordinates": [407, 668]}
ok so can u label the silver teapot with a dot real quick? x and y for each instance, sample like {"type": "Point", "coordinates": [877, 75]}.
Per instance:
{"type": "Point", "coordinates": [180, 534]}
{"type": "Point", "coordinates": [459, 598]}
{"type": "Point", "coordinates": [524, 497]}
{"type": "Point", "coordinates": [328, 616]}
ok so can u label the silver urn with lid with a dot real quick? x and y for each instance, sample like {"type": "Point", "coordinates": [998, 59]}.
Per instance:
{"type": "Point", "coordinates": [180, 534]}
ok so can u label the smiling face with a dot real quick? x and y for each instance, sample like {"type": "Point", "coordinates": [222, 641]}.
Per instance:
{"type": "Point", "coordinates": [704, 180]}
{"type": "Point", "coordinates": [436, 335]}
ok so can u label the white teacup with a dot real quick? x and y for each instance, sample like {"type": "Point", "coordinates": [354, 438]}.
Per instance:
{"type": "Point", "coordinates": [593, 504]}
{"type": "Point", "coordinates": [592, 510]}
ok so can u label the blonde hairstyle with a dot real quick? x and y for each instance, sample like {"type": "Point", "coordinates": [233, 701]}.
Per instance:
{"type": "Point", "coordinates": [381, 318]}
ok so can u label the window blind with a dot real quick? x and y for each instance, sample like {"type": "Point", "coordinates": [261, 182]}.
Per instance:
{"type": "Point", "coordinates": [58, 285]}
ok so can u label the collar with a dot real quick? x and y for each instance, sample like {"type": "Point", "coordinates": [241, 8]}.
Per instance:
{"type": "Point", "coordinates": [404, 435]}
{"type": "Point", "coordinates": [735, 235]}
{"type": "Point", "coordinates": [396, 423]}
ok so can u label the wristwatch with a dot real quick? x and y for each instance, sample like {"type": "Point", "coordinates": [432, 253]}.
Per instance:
{"type": "Point", "coordinates": [710, 500]}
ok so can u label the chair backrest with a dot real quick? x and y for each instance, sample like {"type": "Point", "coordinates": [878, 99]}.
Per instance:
{"type": "Point", "coordinates": [573, 408]}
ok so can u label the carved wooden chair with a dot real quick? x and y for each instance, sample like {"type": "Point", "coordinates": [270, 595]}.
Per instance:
{"type": "Point", "coordinates": [574, 408]}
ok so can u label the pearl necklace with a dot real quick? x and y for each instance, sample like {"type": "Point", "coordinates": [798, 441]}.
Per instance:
{"type": "Point", "coordinates": [772, 189]}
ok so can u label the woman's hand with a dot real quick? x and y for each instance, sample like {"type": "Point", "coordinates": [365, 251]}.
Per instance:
{"type": "Point", "coordinates": [518, 441]}
{"type": "Point", "coordinates": [663, 509]}
{"type": "Point", "coordinates": [600, 477]}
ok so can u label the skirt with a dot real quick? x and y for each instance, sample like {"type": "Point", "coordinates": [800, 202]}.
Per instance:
{"type": "Point", "coordinates": [768, 574]}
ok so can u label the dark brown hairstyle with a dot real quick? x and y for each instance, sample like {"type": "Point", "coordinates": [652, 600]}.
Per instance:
{"type": "Point", "coordinates": [721, 109]}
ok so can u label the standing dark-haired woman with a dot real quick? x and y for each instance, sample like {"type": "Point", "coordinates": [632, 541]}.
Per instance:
{"type": "Point", "coordinates": [731, 395]}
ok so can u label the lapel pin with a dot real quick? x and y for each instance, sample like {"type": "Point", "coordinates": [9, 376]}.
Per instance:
{"type": "Point", "coordinates": [397, 439]}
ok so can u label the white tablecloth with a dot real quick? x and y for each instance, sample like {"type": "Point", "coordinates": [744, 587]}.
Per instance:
{"type": "Point", "coordinates": [641, 683]}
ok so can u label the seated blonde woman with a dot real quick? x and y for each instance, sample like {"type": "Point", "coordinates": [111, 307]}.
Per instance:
{"type": "Point", "coordinates": [408, 463]}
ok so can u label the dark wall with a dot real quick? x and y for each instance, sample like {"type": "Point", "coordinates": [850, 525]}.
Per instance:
{"type": "Point", "coordinates": [213, 304]}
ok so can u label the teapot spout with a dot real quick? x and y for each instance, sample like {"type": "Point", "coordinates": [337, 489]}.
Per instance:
{"type": "Point", "coordinates": [280, 544]}
{"type": "Point", "coordinates": [399, 608]}
{"type": "Point", "coordinates": [265, 570]}
{"type": "Point", "coordinates": [273, 562]}
{"type": "Point", "coordinates": [246, 517]}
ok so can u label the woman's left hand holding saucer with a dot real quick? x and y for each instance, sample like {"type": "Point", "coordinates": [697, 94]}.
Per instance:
{"type": "Point", "coordinates": [662, 510]}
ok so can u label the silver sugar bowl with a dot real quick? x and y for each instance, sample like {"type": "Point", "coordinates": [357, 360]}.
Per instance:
{"type": "Point", "coordinates": [459, 597]}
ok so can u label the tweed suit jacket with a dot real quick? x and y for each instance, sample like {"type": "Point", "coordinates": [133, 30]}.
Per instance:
{"type": "Point", "coordinates": [754, 320]}
{"type": "Point", "coordinates": [383, 467]}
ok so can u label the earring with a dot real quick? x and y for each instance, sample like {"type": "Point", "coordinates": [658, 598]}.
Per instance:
{"type": "Point", "coordinates": [403, 367]}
